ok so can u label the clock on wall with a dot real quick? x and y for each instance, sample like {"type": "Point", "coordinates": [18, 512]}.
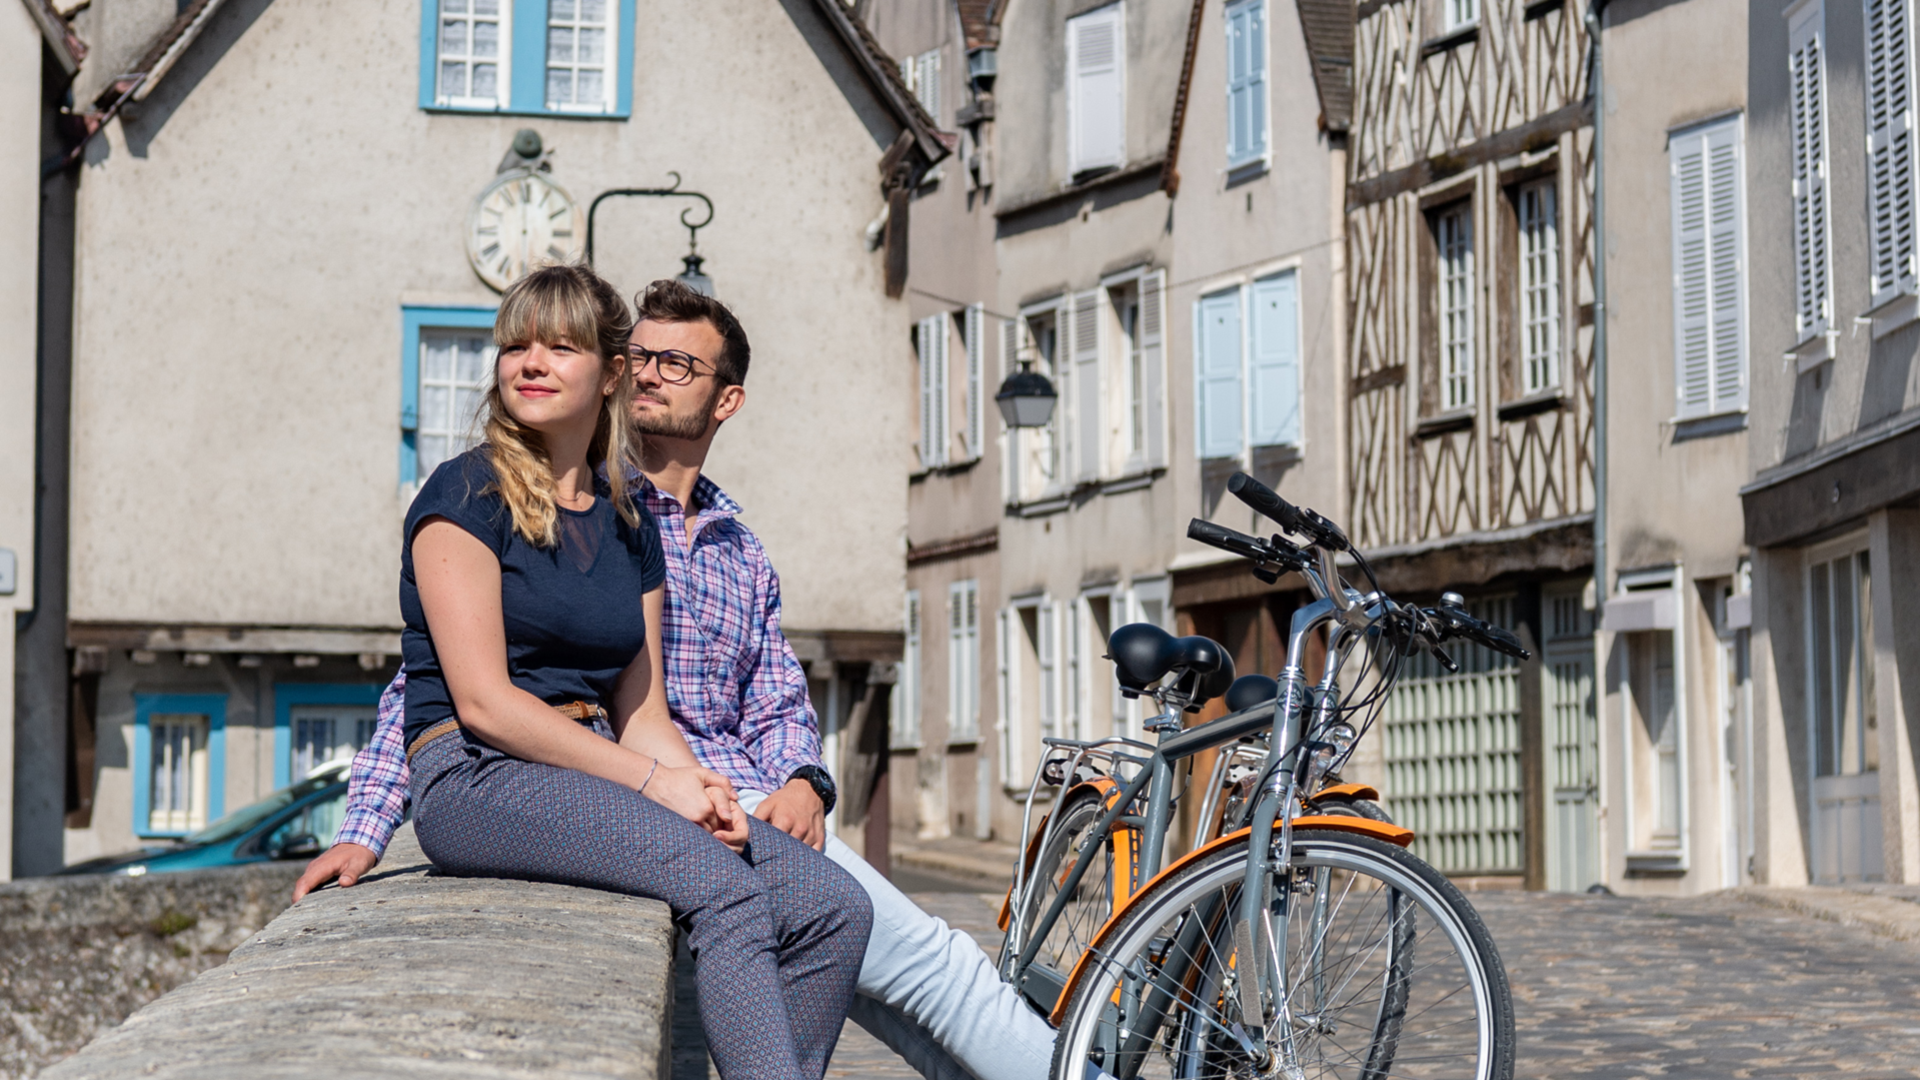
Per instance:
{"type": "Point", "coordinates": [521, 220]}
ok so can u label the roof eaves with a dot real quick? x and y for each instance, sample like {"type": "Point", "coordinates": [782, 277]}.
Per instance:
{"type": "Point", "coordinates": [66, 45]}
{"type": "Point", "coordinates": [884, 72]}
{"type": "Point", "coordinates": [166, 49]}
{"type": "Point", "coordinates": [1327, 26]}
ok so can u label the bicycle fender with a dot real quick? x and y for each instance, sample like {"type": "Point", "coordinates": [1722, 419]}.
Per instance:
{"type": "Point", "coordinates": [1379, 830]}
{"type": "Point", "coordinates": [1101, 784]}
{"type": "Point", "coordinates": [1351, 791]}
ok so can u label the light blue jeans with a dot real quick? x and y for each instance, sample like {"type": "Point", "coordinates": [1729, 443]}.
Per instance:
{"type": "Point", "coordinates": [929, 992]}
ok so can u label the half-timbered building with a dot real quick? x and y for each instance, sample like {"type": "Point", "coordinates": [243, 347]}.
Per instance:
{"type": "Point", "coordinates": [1470, 441]}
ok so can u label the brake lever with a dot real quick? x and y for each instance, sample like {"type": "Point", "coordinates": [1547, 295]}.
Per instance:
{"type": "Point", "coordinates": [1446, 661]}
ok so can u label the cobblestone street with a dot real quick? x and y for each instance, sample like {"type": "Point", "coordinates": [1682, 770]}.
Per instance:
{"type": "Point", "coordinates": [1705, 988]}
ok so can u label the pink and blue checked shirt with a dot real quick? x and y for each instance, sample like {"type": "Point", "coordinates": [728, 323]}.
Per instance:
{"type": "Point", "coordinates": [733, 683]}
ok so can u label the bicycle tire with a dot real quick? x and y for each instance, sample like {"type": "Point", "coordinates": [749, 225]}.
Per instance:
{"type": "Point", "coordinates": [1430, 945]}
{"type": "Point", "coordinates": [1084, 916]}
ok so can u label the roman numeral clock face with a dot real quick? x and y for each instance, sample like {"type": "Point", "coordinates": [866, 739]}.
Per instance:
{"type": "Point", "coordinates": [520, 221]}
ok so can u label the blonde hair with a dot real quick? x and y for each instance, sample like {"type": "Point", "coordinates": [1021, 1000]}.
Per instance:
{"type": "Point", "coordinates": [551, 303]}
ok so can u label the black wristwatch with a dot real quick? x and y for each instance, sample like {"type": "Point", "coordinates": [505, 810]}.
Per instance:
{"type": "Point", "coordinates": [818, 779]}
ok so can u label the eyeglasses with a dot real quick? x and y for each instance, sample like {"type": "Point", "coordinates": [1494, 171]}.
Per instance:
{"type": "Point", "coordinates": [674, 366]}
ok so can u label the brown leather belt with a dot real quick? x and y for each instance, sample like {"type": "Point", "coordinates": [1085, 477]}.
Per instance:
{"type": "Point", "coordinates": [578, 711]}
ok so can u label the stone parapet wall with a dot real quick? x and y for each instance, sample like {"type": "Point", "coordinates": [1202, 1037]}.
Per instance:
{"type": "Point", "coordinates": [411, 974]}
{"type": "Point", "coordinates": [78, 954]}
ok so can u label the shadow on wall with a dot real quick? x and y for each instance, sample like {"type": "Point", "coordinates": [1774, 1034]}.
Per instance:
{"type": "Point", "coordinates": [1889, 373]}
{"type": "Point", "coordinates": [141, 121]}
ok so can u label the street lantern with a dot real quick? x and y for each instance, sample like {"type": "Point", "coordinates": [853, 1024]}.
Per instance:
{"type": "Point", "coordinates": [1026, 399]}
{"type": "Point", "coordinates": [692, 278]}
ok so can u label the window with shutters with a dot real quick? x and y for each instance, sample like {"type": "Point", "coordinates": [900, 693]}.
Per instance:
{"type": "Point", "coordinates": [1453, 244]}
{"type": "Point", "coordinates": [1273, 361]}
{"type": "Point", "coordinates": [974, 417]}
{"type": "Point", "coordinates": [963, 661]}
{"type": "Point", "coordinates": [1220, 396]}
{"type": "Point", "coordinates": [1807, 82]}
{"type": "Point", "coordinates": [564, 57]}
{"type": "Point", "coordinates": [921, 73]}
{"type": "Point", "coordinates": [1709, 288]}
{"type": "Point", "coordinates": [1134, 368]}
{"type": "Point", "coordinates": [930, 342]}
{"type": "Point", "coordinates": [905, 714]}
{"type": "Point", "coordinates": [1086, 442]}
{"type": "Point", "coordinates": [1035, 465]}
{"type": "Point", "coordinates": [1096, 90]}
{"type": "Point", "coordinates": [1539, 234]}
{"type": "Point", "coordinates": [1890, 147]}
{"type": "Point", "coordinates": [1246, 81]}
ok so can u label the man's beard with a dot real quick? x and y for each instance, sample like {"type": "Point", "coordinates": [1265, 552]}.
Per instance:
{"type": "Point", "coordinates": [669, 426]}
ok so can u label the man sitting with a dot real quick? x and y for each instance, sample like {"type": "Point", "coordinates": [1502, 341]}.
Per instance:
{"type": "Point", "coordinates": [738, 693]}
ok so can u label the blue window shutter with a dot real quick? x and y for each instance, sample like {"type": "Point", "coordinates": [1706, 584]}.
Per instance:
{"type": "Point", "coordinates": [1275, 366]}
{"type": "Point", "coordinates": [1246, 81]}
{"type": "Point", "coordinates": [429, 50]}
{"type": "Point", "coordinates": [1219, 371]}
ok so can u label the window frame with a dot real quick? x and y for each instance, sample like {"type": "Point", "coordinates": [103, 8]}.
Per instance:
{"type": "Point", "coordinates": [1549, 356]}
{"type": "Point", "coordinates": [1246, 292]}
{"type": "Point", "coordinates": [1115, 11]}
{"type": "Point", "coordinates": [1449, 378]}
{"type": "Point", "coordinates": [1023, 489]}
{"type": "Point", "coordinates": [1259, 150]}
{"type": "Point", "coordinates": [963, 663]}
{"type": "Point", "coordinates": [934, 375]}
{"type": "Point", "coordinates": [907, 714]}
{"type": "Point", "coordinates": [1731, 126]}
{"type": "Point", "coordinates": [1812, 172]}
{"type": "Point", "coordinates": [526, 82]}
{"type": "Point", "coordinates": [1904, 280]}
{"type": "Point", "coordinates": [414, 319]}
{"type": "Point", "coordinates": [288, 695]}
{"type": "Point", "coordinates": [145, 707]}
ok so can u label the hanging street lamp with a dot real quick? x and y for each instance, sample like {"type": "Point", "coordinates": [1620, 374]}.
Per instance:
{"type": "Point", "coordinates": [1026, 399]}
{"type": "Point", "coordinates": [692, 276]}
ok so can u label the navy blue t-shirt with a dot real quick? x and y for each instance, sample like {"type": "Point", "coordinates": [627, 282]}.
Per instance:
{"type": "Point", "coordinates": [573, 614]}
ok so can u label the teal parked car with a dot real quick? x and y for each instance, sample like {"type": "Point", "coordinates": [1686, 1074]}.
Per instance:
{"type": "Point", "coordinates": [296, 822]}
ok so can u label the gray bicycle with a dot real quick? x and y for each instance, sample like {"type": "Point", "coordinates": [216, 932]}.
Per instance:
{"type": "Point", "coordinates": [1299, 937]}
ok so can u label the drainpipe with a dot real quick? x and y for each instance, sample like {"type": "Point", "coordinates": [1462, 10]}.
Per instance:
{"type": "Point", "coordinates": [1597, 89]}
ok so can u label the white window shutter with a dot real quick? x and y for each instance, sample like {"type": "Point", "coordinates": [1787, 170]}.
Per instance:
{"type": "Point", "coordinates": [1246, 81]}
{"type": "Point", "coordinates": [1010, 363]}
{"type": "Point", "coordinates": [1006, 725]}
{"type": "Point", "coordinates": [1708, 279]}
{"type": "Point", "coordinates": [976, 328]}
{"type": "Point", "coordinates": [923, 345]}
{"type": "Point", "coordinates": [1153, 358]}
{"type": "Point", "coordinates": [1217, 338]}
{"type": "Point", "coordinates": [1095, 95]}
{"type": "Point", "coordinates": [1890, 148]}
{"type": "Point", "coordinates": [1274, 370]}
{"type": "Point", "coordinates": [1727, 228]}
{"type": "Point", "coordinates": [1088, 441]}
{"type": "Point", "coordinates": [1807, 79]}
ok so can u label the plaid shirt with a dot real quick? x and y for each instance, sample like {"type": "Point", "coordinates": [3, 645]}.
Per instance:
{"type": "Point", "coordinates": [733, 683]}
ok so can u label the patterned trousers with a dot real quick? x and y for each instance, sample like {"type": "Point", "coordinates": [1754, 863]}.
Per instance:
{"type": "Point", "coordinates": [777, 934]}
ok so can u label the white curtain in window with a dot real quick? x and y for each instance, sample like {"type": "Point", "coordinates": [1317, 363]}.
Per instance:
{"type": "Point", "coordinates": [456, 368]}
{"type": "Point", "coordinates": [472, 46]}
{"type": "Point", "coordinates": [580, 44]}
{"type": "Point", "coordinates": [1153, 365]}
{"type": "Point", "coordinates": [1708, 280]}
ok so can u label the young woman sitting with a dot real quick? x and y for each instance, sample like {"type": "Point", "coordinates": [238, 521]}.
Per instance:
{"type": "Point", "coordinates": [537, 729]}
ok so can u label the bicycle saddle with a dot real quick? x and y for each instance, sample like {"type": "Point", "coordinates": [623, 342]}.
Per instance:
{"type": "Point", "coordinates": [1250, 690]}
{"type": "Point", "coordinates": [1143, 654]}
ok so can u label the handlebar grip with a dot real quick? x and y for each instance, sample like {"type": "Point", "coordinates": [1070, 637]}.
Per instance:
{"type": "Point", "coordinates": [1501, 640]}
{"type": "Point", "coordinates": [1227, 539]}
{"type": "Point", "coordinates": [1264, 501]}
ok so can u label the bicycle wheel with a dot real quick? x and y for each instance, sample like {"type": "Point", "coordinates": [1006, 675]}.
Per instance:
{"type": "Point", "coordinates": [1086, 911]}
{"type": "Point", "coordinates": [1388, 972]}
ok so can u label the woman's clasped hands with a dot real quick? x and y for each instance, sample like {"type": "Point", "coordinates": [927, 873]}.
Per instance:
{"type": "Point", "coordinates": [703, 797]}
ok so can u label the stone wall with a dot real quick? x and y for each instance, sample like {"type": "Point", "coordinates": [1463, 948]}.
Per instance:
{"type": "Point", "coordinates": [79, 954]}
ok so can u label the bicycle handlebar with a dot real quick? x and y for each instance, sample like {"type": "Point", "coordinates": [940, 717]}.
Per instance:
{"type": "Point", "coordinates": [1455, 622]}
{"type": "Point", "coordinates": [1265, 501]}
{"type": "Point", "coordinates": [1276, 552]}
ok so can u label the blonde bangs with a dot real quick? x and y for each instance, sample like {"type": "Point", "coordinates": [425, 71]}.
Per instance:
{"type": "Point", "coordinates": [551, 308]}
{"type": "Point", "coordinates": [548, 305]}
